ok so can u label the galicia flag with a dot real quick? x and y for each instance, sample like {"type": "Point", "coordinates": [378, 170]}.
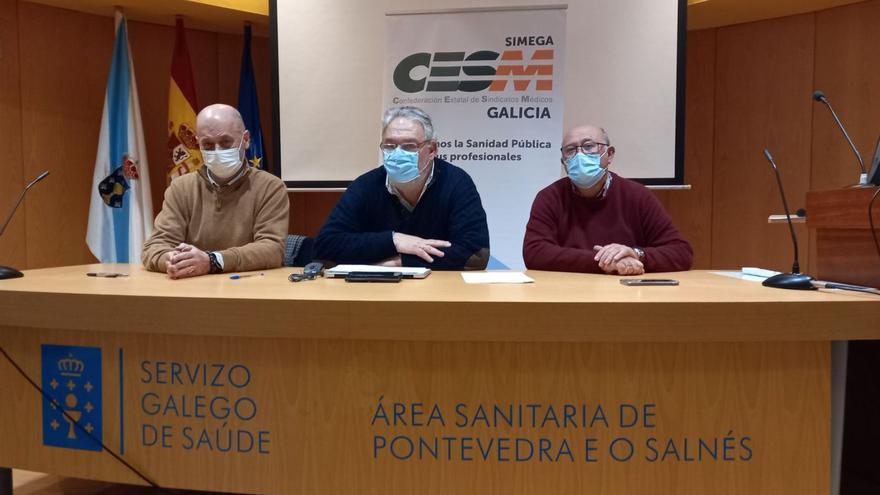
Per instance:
{"type": "Point", "coordinates": [121, 209]}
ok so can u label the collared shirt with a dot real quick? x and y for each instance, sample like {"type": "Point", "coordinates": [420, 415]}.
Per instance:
{"type": "Point", "coordinates": [393, 190]}
{"type": "Point", "coordinates": [239, 175]}
{"type": "Point", "coordinates": [603, 192]}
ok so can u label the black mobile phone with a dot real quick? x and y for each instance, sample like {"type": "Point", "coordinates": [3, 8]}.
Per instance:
{"type": "Point", "coordinates": [373, 277]}
{"type": "Point", "coordinates": [648, 281]}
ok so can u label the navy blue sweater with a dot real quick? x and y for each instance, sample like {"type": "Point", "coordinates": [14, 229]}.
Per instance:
{"type": "Point", "coordinates": [360, 228]}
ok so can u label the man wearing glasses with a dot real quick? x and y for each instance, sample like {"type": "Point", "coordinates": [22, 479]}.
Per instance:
{"type": "Point", "coordinates": [414, 210]}
{"type": "Point", "coordinates": [596, 221]}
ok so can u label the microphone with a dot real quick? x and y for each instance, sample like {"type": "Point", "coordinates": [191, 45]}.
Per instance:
{"type": "Point", "coordinates": [795, 279]}
{"type": "Point", "coordinates": [5, 271]}
{"type": "Point", "coordinates": [820, 97]}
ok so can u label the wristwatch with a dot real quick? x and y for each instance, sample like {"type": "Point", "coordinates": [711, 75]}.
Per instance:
{"type": "Point", "coordinates": [640, 253]}
{"type": "Point", "coordinates": [215, 263]}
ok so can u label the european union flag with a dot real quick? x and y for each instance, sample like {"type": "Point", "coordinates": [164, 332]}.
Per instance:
{"type": "Point", "coordinates": [248, 104]}
{"type": "Point", "coordinates": [72, 379]}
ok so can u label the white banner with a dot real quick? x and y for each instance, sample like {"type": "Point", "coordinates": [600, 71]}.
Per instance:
{"type": "Point", "coordinates": [492, 83]}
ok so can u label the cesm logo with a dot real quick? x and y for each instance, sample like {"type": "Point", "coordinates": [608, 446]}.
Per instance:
{"type": "Point", "coordinates": [445, 69]}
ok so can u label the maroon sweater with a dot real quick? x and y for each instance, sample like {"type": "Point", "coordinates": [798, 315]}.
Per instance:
{"type": "Point", "coordinates": [564, 227]}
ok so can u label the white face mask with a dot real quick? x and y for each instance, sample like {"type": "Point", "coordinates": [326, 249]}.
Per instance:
{"type": "Point", "coordinates": [223, 164]}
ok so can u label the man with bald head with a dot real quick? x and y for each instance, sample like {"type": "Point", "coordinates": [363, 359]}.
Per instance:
{"type": "Point", "coordinates": [596, 221]}
{"type": "Point", "coordinates": [226, 216]}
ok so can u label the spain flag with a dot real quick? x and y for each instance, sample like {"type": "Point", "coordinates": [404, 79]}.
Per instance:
{"type": "Point", "coordinates": [183, 148]}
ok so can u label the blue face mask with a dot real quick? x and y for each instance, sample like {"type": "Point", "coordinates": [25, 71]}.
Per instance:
{"type": "Point", "coordinates": [401, 166]}
{"type": "Point", "coordinates": [585, 169]}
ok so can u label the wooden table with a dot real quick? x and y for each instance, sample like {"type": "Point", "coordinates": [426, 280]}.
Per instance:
{"type": "Point", "coordinates": [573, 384]}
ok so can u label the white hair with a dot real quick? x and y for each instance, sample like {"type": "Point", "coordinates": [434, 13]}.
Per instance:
{"type": "Point", "coordinates": [415, 114]}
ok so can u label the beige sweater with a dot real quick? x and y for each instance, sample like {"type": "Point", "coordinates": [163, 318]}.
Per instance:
{"type": "Point", "coordinates": [245, 221]}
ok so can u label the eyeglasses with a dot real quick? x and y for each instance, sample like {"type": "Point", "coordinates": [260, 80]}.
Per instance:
{"type": "Point", "coordinates": [587, 146]}
{"type": "Point", "coordinates": [410, 147]}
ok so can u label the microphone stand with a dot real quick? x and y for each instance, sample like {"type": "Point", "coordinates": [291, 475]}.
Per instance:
{"type": "Point", "coordinates": [863, 177]}
{"type": "Point", "coordinates": [795, 279]}
{"type": "Point", "coordinates": [6, 271]}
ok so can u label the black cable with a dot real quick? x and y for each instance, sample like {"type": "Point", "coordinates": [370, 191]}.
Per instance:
{"type": "Point", "coordinates": [80, 427]}
{"type": "Point", "coordinates": [871, 220]}
{"type": "Point", "coordinates": [854, 288]}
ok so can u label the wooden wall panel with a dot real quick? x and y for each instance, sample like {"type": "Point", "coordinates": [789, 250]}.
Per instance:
{"type": "Point", "coordinates": [691, 211]}
{"type": "Point", "coordinates": [64, 64]}
{"type": "Point", "coordinates": [309, 210]}
{"type": "Point", "coordinates": [12, 243]}
{"type": "Point", "coordinates": [848, 71]}
{"type": "Point", "coordinates": [763, 85]}
{"type": "Point", "coordinates": [297, 221]}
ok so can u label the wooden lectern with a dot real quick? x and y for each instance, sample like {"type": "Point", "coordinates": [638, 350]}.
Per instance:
{"type": "Point", "coordinates": [845, 250]}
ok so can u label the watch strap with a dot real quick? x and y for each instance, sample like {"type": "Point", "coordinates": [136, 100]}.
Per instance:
{"type": "Point", "coordinates": [215, 263]}
{"type": "Point", "coordinates": [640, 253]}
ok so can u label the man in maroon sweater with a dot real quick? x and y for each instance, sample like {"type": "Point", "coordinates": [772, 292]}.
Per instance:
{"type": "Point", "coordinates": [596, 221]}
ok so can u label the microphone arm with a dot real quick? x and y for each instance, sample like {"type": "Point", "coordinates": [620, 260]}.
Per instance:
{"type": "Point", "coordinates": [20, 198]}
{"type": "Point", "coordinates": [795, 267]}
{"type": "Point", "coordinates": [820, 97]}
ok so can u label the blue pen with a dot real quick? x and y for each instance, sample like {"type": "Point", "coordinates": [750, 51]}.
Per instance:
{"type": "Point", "coordinates": [237, 276]}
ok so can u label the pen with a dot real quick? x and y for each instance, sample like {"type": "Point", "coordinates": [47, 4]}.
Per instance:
{"type": "Point", "coordinates": [237, 276]}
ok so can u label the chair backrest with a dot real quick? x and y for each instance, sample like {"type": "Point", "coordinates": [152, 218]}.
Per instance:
{"type": "Point", "coordinates": [298, 250]}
